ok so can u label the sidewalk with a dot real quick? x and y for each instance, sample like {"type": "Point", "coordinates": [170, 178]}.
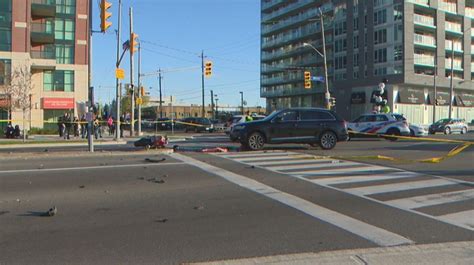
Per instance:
{"type": "Point", "coordinates": [432, 254]}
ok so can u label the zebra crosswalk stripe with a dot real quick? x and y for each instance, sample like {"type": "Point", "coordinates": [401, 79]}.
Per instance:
{"type": "Point", "coordinates": [291, 161]}
{"type": "Point", "coordinates": [368, 190]}
{"type": "Point", "coordinates": [337, 171]}
{"type": "Point", "coordinates": [433, 199]}
{"type": "Point", "coordinates": [320, 165]}
{"type": "Point", "coordinates": [465, 218]}
{"type": "Point", "coordinates": [364, 178]}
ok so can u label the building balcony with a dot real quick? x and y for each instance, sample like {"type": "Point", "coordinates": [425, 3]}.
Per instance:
{"type": "Point", "coordinates": [469, 12]}
{"type": "Point", "coordinates": [449, 46]}
{"type": "Point", "coordinates": [424, 21]}
{"type": "Point", "coordinates": [42, 33]}
{"type": "Point", "coordinates": [453, 27]}
{"type": "Point", "coordinates": [271, 4]}
{"type": "Point", "coordinates": [282, 79]}
{"type": "Point", "coordinates": [43, 8]}
{"type": "Point", "coordinates": [420, 2]}
{"type": "Point", "coordinates": [424, 60]}
{"type": "Point", "coordinates": [316, 88]}
{"type": "Point", "coordinates": [45, 55]}
{"type": "Point", "coordinates": [287, 9]}
{"type": "Point", "coordinates": [450, 7]}
{"type": "Point", "coordinates": [425, 40]}
{"type": "Point", "coordinates": [457, 64]}
{"type": "Point", "coordinates": [291, 21]}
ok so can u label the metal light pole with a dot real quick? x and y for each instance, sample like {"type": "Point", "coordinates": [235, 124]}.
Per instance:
{"type": "Point", "coordinates": [90, 139]}
{"type": "Point", "coordinates": [326, 81]}
{"type": "Point", "coordinates": [202, 83]}
{"type": "Point", "coordinates": [118, 91]}
{"type": "Point", "coordinates": [435, 89]}
{"type": "Point", "coordinates": [217, 108]}
{"type": "Point", "coordinates": [212, 104]}
{"type": "Point", "coordinates": [242, 102]}
{"type": "Point", "coordinates": [161, 97]}
{"type": "Point", "coordinates": [132, 123]}
{"type": "Point", "coordinates": [139, 89]}
{"type": "Point", "coordinates": [451, 84]}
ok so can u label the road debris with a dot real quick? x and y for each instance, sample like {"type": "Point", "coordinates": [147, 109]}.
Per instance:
{"type": "Point", "coordinates": [151, 160]}
{"type": "Point", "coordinates": [81, 187]}
{"type": "Point", "coordinates": [52, 212]}
{"type": "Point", "coordinates": [161, 181]}
{"type": "Point", "coordinates": [199, 207]}
{"type": "Point", "coordinates": [161, 220]}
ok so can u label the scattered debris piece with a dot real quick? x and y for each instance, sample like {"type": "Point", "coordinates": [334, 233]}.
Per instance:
{"type": "Point", "coordinates": [81, 187]}
{"type": "Point", "coordinates": [141, 178]}
{"type": "Point", "coordinates": [215, 150]}
{"type": "Point", "coordinates": [161, 220]}
{"type": "Point", "coordinates": [30, 182]}
{"type": "Point", "coordinates": [200, 207]}
{"type": "Point", "coordinates": [41, 166]}
{"type": "Point", "coordinates": [165, 176]}
{"type": "Point", "coordinates": [151, 160]}
{"type": "Point", "coordinates": [161, 181]}
{"type": "Point", "coordinates": [52, 212]}
{"type": "Point", "coordinates": [18, 200]}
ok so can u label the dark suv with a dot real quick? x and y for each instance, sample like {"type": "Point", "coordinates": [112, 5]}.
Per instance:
{"type": "Point", "coordinates": [312, 126]}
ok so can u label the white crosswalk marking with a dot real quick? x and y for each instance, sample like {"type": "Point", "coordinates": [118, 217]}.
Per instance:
{"type": "Point", "coordinates": [329, 173]}
{"type": "Point", "coordinates": [293, 161]}
{"type": "Point", "coordinates": [321, 165]}
{"type": "Point", "coordinates": [399, 186]}
{"type": "Point", "coordinates": [433, 199]}
{"type": "Point", "coordinates": [337, 171]}
{"type": "Point", "coordinates": [465, 218]}
{"type": "Point", "coordinates": [357, 179]}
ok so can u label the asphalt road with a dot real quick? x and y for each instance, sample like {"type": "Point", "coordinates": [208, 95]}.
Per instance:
{"type": "Point", "coordinates": [118, 208]}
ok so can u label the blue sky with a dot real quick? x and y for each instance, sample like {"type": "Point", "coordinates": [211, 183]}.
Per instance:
{"type": "Point", "coordinates": [172, 34]}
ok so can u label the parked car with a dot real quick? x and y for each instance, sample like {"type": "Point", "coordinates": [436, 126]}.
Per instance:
{"type": "Point", "coordinates": [448, 126]}
{"type": "Point", "coordinates": [197, 125]}
{"type": "Point", "coordinates": [415, 129]}
{"type": "Point", "coordinates": [379, 123]}
{"type": "Point", "coordinates": [312, 126]}
{"type": "Point", "coordinates": [163, 124]}
{"type": "Point", "coordinates": [237, 119]}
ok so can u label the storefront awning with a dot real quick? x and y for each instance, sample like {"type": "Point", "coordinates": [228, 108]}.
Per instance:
{"type": "Point", "coordinates": [441, 96]}
{"type": "Point", "coordinates": [411, 96]}
{"type": "Point", "coordinates": [464, 100]}
{"type": "Point", "coordinates": [358, 98]}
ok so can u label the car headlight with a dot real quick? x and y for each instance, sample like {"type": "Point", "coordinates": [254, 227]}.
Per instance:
{"type": "Point", "coordinates": [239, 127]}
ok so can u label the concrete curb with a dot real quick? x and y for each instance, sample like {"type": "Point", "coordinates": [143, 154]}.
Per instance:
{"type": "Point", "coordinates": [433, 254]}
{"type": "Point", "coordinates": [9, 146]}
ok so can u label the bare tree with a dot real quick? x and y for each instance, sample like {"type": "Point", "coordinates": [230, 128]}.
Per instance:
{"type": "Point", "coordinates": [19, 89]}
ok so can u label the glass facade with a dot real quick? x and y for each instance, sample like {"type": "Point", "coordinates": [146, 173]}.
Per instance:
{"type": "Point", "coordinates": [59, 80]}
{"type": "Point", "coordinates": [5, 25]}
{"type": "Point", "coordinates": [65, 31]}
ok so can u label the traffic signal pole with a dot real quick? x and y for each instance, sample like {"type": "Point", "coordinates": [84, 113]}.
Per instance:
{"type": "Point", "coordinates": [132, 123]}
{"type": "Point", "coordinates": [202, 84]}
{"type": "Point", "coordinates": [327, 96]}
{"type": "Point", "coordinates": [140, 89]}
{"type": "Point", "coordinates": [90, 139]}
{"type": "Point", "coordinates": [435, 96]}
{"type": "Point", "coordinates": [212, 105]}
{"type": "Point", "coordinates": [161, 95]}
{"type": "Point", "coordinates": [117, 82]}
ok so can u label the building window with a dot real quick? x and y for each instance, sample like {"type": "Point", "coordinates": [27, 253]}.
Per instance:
{"type": "Point", "coordinates": [356, 23]}
{"type": "Point", "coordinates": [355, 58]}
{"type": "Point", "coordinates": [355, 43]}
{"type": "Point", "coordinates": [5, 71]}
{"type": "Point", "coordinates": [380, 71]}
{"type": "Point", "coordinates": [64, 29]}
{"type": "Point", "coordinates": [380, 17]}
{"type": "Point", "coordinates": [397, 12]}
{"type": "Point", "coordinates": [340, 45]}
{"type": "Point", "coordinates": [398, 53]}
{"type": "Point", "coordinates": [58, 80]}
{"type": "Point", "coordinates": [397, 32]}
{"type": "Point", "coordinates": [398, 69]}
{"type": "Point", "coordinates": [340, 28]}
{"type": "Point", "coordinates": [67, 7]}
{"type": "Point", "coordinates": [64, 54]}
{"type": "Point", "coordinates": [380, 36]}
{"type": "Point", "coordinates": [340, 76]}
{"type": "Point", "coordinates": [355, 74]}
{"type": "Point", "coordinates": [380, 55]}
{"type": "Point", "coordinates": [5, 25]}
{"type": "Point", "coordinates": [340, 62]}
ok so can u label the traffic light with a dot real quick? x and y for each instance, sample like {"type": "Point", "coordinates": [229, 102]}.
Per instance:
{"type": "Point", "coordinates": [133, 43]}
{"type": "Point", "coordinates": [142, 91]}
{"type": "Point", "coordinates": [104, 15]}
{"type": "Point", "coordinates": [307, 79]}
{"type": "Point", "coordinates": [208, 69]}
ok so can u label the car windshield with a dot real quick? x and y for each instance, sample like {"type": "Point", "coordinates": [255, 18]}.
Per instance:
{"type": "Point", "coordinates": [203, 121]}
{"type": "Point", "coordinates": [443, 121]}
{"type": "Point", "coordinates": [236, 119]}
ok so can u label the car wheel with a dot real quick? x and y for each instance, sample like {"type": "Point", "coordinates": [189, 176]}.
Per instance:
{"type": "Point", "coordinates": [256, 141]}
{"type": "Point", "coordinates": [412, 133]}
{"type": "Point", "coordinates": [327, 140]}
{"type": "Point", "coordinates": [447, 130]}
{"type": "Point", "coordinates": [431, 132]}
{"type": "Point", "coordinates": [393, 132]}
{"type": "Point", "coordinates": [463, 130]}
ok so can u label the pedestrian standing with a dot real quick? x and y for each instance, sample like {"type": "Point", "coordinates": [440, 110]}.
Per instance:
{"type": "Point", "coordinates": [97, 128]}
{"type": "Point", "coordinates": [83, 126]}
{"type": "Point", "coordinates": [110, 124]}
{"type": "Point", "coordinates": [77, 124]}
{"type": "Point", "coordinates": [60, 126]}
{"type": "Point", "coordinates": [122, 121]}
{"type": "Point", "coordinates": [68, 124]}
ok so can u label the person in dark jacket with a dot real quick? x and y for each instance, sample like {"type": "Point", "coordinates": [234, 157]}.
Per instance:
{"type": "Point", "coordinates": [9, 131]}
{"type": "Point", "coordinates": [83, 126]}
{"type": "Point", "coordinates": [16, 132]}
{"type": "Point", "coordinates": [68, 124]}
{"type": "Point", "coordinates": [122, 121]}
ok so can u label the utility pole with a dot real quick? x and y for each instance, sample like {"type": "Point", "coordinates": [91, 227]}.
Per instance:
{"type": "Point", "coordinates": [90, 139]}
{"type": "Point", "coordinates": [202, 83]}
{"type": "Point", "coordinates": [217, 108]}
{"type": "Point", "coordinates": [132, 125]}
{"type": "Point", "coordinates": [434, 88]}
{"type": "Point", "coordinates": [139, 89]}
{"type": "Point", "coordinates": [118, 90]}
{"type": "Point", "coordinates": [451, 86]}
{"type": "Point", "coordinates": [242, 102]}
{"type": "Point", "coordinates": [161, 95]}
{"type": "Point", "coordinates": [212, 105]}
{"type": "Point", "coordinates": [326, 81]}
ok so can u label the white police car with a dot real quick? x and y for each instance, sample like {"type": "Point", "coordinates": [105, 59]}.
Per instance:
{"type": "Point", "coordinates": [379, 123]}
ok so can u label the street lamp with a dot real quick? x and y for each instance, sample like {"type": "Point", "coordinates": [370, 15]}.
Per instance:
{"type": "Point", "coordinates": [242, 102]}
{"type": "Point", "coordinates": [217, 108]}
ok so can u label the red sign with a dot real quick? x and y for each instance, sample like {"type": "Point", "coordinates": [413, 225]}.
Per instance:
{"type": "Point", "coordinates": [58, 103]}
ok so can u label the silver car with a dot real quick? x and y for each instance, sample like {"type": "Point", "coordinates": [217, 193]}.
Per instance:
{"type": "Point", "coordinates": [448, 126]}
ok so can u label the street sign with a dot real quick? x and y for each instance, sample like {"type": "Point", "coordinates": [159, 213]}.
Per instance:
{"type": "Point", "coordinates": [139, 101]}
{"type": "Point", "coordinates": [119, 73]}
{"type": "Point", "coordinates": [318, 78]}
